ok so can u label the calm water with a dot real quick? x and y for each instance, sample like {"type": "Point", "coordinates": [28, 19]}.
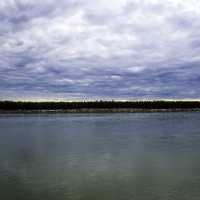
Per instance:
{"type": "Point", "coordinates": [139, 156]}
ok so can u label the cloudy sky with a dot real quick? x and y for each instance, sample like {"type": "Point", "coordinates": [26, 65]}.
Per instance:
{"type": "Point", "coordinates": [99, 49]}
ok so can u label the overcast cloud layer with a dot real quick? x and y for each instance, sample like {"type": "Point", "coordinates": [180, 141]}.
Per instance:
{"type": "Point", "coordinates": [99, 49]}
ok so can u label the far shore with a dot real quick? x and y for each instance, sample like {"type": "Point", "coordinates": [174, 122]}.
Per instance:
{"type": "Point", "coordinates": [99, 106]}
{"type": "Point", "coordinates": [97, 110]}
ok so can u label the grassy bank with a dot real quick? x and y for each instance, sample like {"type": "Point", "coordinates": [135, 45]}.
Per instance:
{"type": "Point", "coordinates": [99, 106]}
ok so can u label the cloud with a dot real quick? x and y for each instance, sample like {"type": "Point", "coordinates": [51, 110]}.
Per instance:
{"type": "Point", "coordinates": [119, 49]}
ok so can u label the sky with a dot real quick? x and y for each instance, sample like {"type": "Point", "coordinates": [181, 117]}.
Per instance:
{"type": "Point", "coordinates": [99, 49]}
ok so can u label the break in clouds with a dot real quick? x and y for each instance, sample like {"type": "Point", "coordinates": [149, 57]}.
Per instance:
{"type": "Point", "coordinates": [86, 49]}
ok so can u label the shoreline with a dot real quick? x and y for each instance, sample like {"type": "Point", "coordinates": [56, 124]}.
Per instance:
{"type": "Point", "coordinates": [98, 107]}
{"type": "Point", "coordinates": [99, 110]}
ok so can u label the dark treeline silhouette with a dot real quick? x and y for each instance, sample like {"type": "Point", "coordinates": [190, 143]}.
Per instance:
{"type": "Point", "coordinates": [12, 105]}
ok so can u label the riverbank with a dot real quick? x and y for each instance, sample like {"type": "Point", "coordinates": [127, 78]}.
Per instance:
{"type": "Point", "coordinates": [98, 106]}
{"type": "Point", "coordinates": [90, 110]}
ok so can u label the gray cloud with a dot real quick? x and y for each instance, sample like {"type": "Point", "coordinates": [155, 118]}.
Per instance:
{"type": "Point", "coordinates": [85, 49]}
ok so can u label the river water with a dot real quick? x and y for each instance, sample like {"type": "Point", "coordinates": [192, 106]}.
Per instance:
{"type": "Point", "coordinates": [127, 156]}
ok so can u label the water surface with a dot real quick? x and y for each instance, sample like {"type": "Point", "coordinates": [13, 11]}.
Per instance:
{"type": "Point", "coordinates": [135, 156]}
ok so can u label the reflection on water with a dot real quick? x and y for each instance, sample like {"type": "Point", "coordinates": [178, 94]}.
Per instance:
{"type": "Point", "coordinates": [100, 156]}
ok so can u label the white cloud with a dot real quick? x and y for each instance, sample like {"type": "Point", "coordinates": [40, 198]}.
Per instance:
{"type": "Point", "coordinates": [75, 42]}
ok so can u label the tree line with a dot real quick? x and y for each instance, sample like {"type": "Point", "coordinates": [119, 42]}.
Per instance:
{"type": "Point", "coordinates": [20, 105]}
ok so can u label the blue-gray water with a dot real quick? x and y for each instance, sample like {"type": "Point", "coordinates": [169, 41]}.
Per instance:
{"type": "Point", "coordinates": [138, 156]}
